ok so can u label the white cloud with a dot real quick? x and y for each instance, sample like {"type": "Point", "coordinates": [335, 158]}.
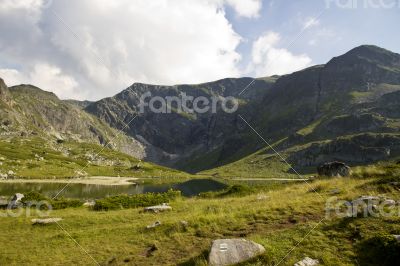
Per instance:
{"type": "Point", "coordinates": [268, 59]}
{"type": "Point", "coordinates": [46, 77]}
{"type": "Point", "coordinates": [246, 8]}
{"type": "Point", "coordinates": [107, 45]}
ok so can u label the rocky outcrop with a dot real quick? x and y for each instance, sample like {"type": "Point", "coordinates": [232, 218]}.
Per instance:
{"type": "Point", "coordinates": [365, 148]}
{"type": "Point", "coordinates": [334, 169]}
{"type": "Point", "coordinates": [233, 251]}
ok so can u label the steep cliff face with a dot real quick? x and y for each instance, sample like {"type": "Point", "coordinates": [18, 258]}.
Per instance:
{"type": "Point", "coordinates": [182, 135]}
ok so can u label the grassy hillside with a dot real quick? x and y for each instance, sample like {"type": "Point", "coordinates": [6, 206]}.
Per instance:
{"type": "Point", "coordinates": [288, 221]}
{"type": "Point", "coordinates": [43, 158]}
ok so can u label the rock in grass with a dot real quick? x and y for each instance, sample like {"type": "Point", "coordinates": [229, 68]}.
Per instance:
{"type": "Point", "coordinates": [16, 200]}
{"type": "Point", "coordinates": [307, 262]}
{"type": "Point", "coordinates": [46, 221]}
{"type": "Point", "coordinates": [154, 225]}
{"type": "Point", "coordinates": [233, 251]}
{"type": "Point", "coordinates": [158, 208]}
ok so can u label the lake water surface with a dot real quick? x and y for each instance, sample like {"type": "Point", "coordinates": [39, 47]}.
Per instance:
{"type": "Point", "coordinates": [84, 191]}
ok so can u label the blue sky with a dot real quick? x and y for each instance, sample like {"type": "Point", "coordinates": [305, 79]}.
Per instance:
{"type": "Point", "coordinates": [345, 28]}
{"type": "Point", "coordinates": [89, 49]}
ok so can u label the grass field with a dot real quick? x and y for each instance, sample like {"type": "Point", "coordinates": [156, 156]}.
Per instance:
{"type": "Point", "coordinates": [39, 158]}
{"type": "Point", "coordinates": [289, 221]}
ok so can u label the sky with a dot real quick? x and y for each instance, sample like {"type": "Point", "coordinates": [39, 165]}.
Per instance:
{"type": "Point", "coordinates": [91, 49]}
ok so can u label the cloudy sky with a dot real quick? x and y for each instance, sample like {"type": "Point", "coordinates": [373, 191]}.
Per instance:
{"type": "Point", "coordinates": [90, 49]}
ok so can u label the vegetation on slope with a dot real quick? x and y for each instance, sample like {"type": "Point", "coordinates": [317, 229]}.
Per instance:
{"type": "Point", "coordinates": [290, 222]}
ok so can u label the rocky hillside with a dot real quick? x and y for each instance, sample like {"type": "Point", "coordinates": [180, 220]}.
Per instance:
{"type": "Point", "coordinates": [351, 94]}
{"type": "Point", "coordinates": [28, 111]}
{"type": "Point", "coordinates": [347, 109]}
{"type": "Point", "coordinates": [181, 137]}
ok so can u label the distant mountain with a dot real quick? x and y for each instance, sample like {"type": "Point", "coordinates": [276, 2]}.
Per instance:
{"type": "Point", "coordinates": [347, 109]}
{"type": "Point", "coordinates": [29, 111]}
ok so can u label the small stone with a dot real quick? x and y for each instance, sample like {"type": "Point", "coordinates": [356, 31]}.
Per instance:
{"type": "Point", "coordinates": [46, 221]}
{"type": "Point", "coordinates": [89, 203]}
{"type": "Point", "coordinates": [307, 262]}
{"type": "Point", "coordinates": [154, 225]}
{"type": "Point", "coordinates": [335, 191]}
{"type": "Point", "coordinates": [158, 208]}
{"type": "Point", "coordinates": [233, 251]}
{"type": "Point", "coordinates": [397, 237]}
{"type": "Point", "coordinates": [184, 223]}
{"type": "Point", "coordinates": [151, 250]}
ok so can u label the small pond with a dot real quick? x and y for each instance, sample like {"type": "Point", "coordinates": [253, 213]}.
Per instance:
{"type": "Point", "coordinates": [84, 191]}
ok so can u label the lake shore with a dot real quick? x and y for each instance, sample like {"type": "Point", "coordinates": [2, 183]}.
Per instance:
{"type": "Point", "coordinates": [93, 180]}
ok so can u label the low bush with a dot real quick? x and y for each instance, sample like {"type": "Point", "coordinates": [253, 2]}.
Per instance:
{"type": "Point", "coordinates": [33, 198]}
{"type": "Point", "coordinates": [135, 201]}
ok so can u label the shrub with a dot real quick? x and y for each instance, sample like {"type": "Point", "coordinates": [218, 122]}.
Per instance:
{"type": "Point", "coordinates": [35, 197]}
{"type": "Point", "coordinates": [135, 201]}
{"type": "Point", "coordinates": [379, 250]}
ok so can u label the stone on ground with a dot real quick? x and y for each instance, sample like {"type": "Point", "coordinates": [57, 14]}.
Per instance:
{"type": "Point", "coordinates": [233, 251]}
{"type": "Point", "coordinates": [46, 221]}
{"type": "Point", "coordinates": [16, 200]}
{"type": "Point", "coordinates": [158, 208]}
{"type": "Point", "coordinates": [307, 262]}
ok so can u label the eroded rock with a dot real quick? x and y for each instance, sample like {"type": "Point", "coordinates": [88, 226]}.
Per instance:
{"type": "Point", "coordinates": [332, 169]}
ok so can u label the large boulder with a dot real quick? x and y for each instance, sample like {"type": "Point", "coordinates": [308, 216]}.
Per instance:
{"type": "Point", "coordinates": [233, 251]}
{"type": "Point", "coordinates": [334, 169]}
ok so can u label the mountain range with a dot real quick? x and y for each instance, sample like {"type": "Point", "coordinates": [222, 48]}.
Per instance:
{"type": "Point", "coordinates": [347, 110]}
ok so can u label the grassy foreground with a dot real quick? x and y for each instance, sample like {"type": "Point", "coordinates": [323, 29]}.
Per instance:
{"type": "Point", "coordinates": [288, 221]}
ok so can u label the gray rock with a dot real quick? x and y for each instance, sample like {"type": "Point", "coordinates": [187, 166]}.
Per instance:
{"type": "Point", "coordinates": [307, 262]}
{"type": "Point", "coordinates": [46, 221]}
{"type": "Point", "coordinates": [334, 169]}
{"type": "Point", "coordinates": [233, 251]}
{"type": "Point", "coordinates": [89, 203]}
{"type": "Point", "coordinates": [154, 225]}
{"type": "Point", "coordinates": [397, 237]}
{"type": "Point", "coordinates": [16, 200]}
{"type": "Point", "coordinates": [158, 208]}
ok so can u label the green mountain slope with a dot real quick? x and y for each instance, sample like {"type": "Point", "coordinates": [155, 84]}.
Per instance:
{"type": "Point", "coordinates": [44, 137]}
